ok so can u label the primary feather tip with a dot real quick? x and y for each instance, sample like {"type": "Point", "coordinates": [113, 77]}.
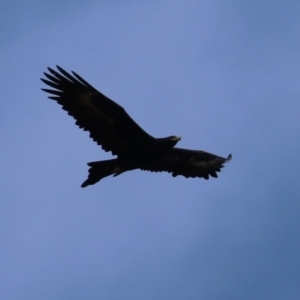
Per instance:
{"type": "Point", "coordinates": [228, 158]}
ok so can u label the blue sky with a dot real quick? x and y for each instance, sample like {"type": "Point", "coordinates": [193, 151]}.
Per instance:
{"type": "Point", "coordinates": [224, 75]}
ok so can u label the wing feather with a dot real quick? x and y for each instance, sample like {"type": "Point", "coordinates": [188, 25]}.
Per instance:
{"type": "Point", "coordinates": [108, 123]}
{"type": "Point", "coordinates": [188, 163]}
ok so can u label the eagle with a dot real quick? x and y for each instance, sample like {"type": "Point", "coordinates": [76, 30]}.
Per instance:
{"type": "Point", "coordinates": [114, 130]}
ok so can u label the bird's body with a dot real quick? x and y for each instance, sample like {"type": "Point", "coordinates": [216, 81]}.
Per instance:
{"type": "Point", "coordinates": [114, 130]}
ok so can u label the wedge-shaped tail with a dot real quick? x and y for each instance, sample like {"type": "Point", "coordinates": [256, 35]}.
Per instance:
{"type": "Point", "coordinates": [101, 169]}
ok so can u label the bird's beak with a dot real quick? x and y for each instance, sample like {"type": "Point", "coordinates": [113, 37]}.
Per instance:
{"type": "Point", "coordinates": [176, 138]}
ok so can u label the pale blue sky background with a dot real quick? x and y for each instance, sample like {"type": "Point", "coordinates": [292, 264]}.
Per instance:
{"type": "Point", "coordinates": [224, 75]}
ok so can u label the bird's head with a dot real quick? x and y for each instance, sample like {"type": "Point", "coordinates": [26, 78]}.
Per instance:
{"type": "Point", "coordinates": [167, 143]}
{"type": "Point", "coordinates": [175, 138]}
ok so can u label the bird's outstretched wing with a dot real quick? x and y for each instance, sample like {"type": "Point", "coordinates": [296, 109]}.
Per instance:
{"type": "Point", "coordinates": [108, 123]}
{"type": "Point", "coordinates": [188, 163]}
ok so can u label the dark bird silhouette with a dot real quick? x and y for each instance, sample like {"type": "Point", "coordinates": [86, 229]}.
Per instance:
{"type": "Point", "coordinates": [114, 130]}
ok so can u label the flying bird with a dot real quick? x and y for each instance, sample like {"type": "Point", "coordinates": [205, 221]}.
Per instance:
{"type": "Point", "coordinates": [114, 130]}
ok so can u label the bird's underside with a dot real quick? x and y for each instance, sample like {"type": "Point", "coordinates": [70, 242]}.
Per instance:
{"type": "Point", "coordinates": [114, 130]}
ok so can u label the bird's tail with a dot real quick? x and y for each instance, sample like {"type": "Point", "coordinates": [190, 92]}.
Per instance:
{"type": "Point", "coordinates": [101, 169]}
